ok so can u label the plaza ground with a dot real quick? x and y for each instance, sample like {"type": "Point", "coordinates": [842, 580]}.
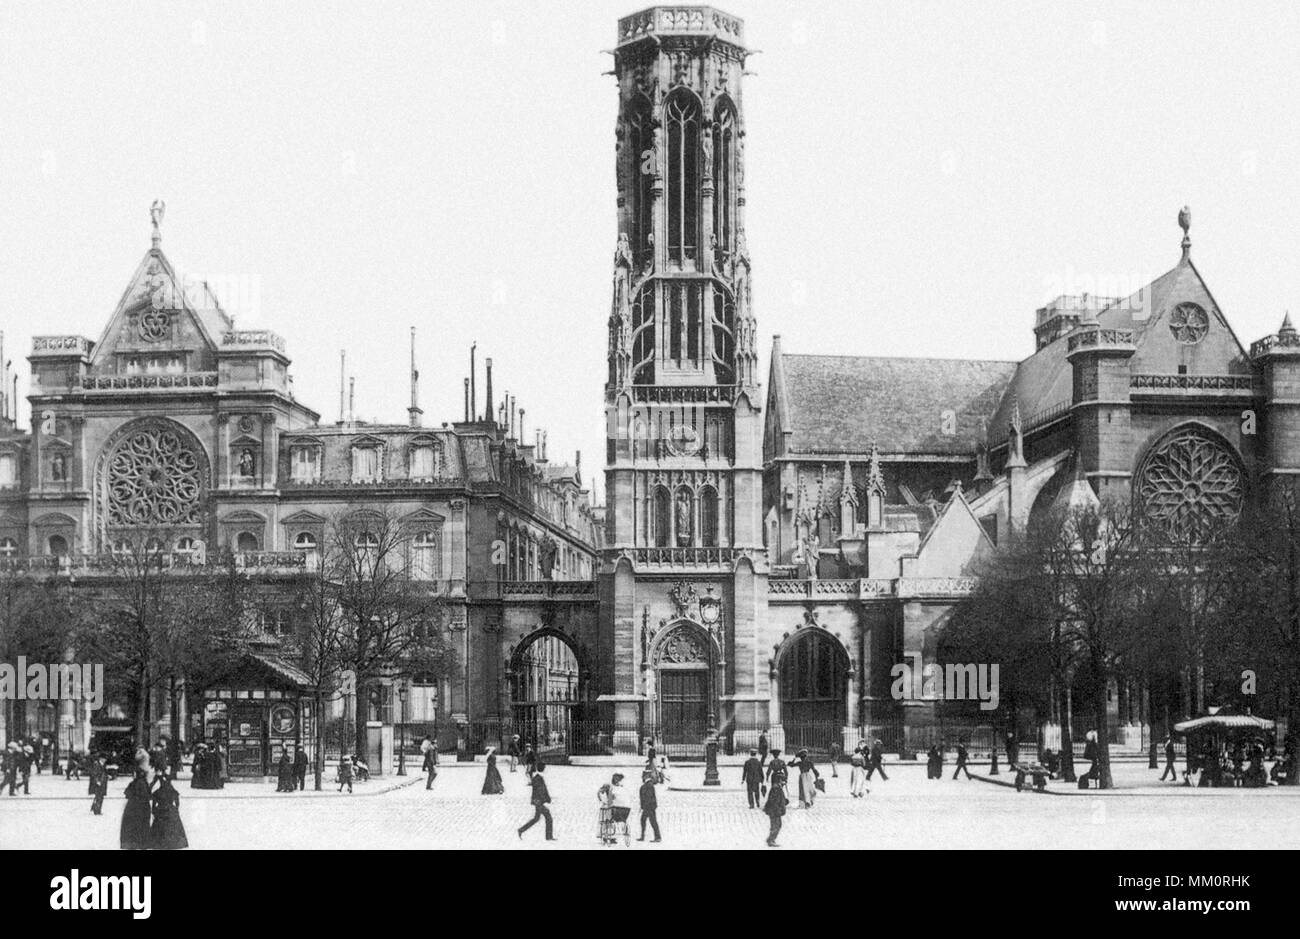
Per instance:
{"type": "Point", "coordinates": [907, 811]}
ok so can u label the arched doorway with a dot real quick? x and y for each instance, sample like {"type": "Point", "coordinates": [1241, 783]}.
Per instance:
{"type": "Point", "coordinates": [685, 659]}
{"type": "Point", "coordinates": [546, 691]}
{"type": "Point", "coordinates": [813, 675]}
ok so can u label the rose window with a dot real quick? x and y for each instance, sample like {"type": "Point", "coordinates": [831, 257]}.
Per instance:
{"type": "Point", "coordinates": [1189, 323]}
{"type": "Point", "coordinates": [154, 478]}
{"type": "Point", "coordinates": [1189, 484]}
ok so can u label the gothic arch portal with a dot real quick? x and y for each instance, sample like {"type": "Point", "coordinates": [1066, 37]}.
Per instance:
{"type": "Point", "coordinates": [548, 683]}
{"type": "Point", "coordinates": [812, 678]}
{"type": "Point", "coordinates": [687, 664]}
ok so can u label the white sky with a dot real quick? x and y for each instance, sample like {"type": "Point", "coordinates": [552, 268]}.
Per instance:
{"type": "Point", "coordinates": [921, 176]}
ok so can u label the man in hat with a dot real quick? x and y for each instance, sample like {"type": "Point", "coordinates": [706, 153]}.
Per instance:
{"type": "Point", "coordinates": [430, 766]}
{"type": "Point", "coordinates": [963, 757]}
{"type": "Point", "coordinates": [649, 804]}
{"type": "Point", "coordinates": [98, 784]}
{"type": "Point", "coordinates": [774, 808]}
{"type": "Point", "coordinates": [1169, 760]}
{"type": "Point", "coordinates": [877, 762]}
{"type": "Point", "coordinates": [762, 747]}
{"type": "Point", "coordinates": [10, 767]}
{"type": "Point", "coordinates": [540, 797]}
{"type": "Point", "coordinates": [300, 768]}
{"type": "Point", "coordinates": [24, 755]}
{"type": "Point", "coordinates": [752, 776]}
{"type": "Point", "coordinates": [513, 752]}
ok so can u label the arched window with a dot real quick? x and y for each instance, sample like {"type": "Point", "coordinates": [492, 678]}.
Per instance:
{"type": "Point", "coordinates": [187, 551]}
{"type": "Point", "coordinates": [8, 548]}
{"type": "Point", "coordinates": [306, 544]}
{"type": "Point", "coordinates": [8, 470]}
{"type": "Point", "coordinates": [367, 546]}
{"type": "Point", "coordinates": [58, 546]}
{"type": "Point", "coordinates": [682, 112]}
{"type": "Point", "coordinates": [245, 541]}
{"type": "Point", "coordinates": [724, 176]}
{"type": "Point", "coordinates": [426, 556]}
{"type": "Point", "coordinates": [709, 517]}
{"type": "Point", "coordinates": [641, 154]}
{"type": "Point", "coordinates": [663, 519]}
{"type": "Point", "coordinates": [875, 509]}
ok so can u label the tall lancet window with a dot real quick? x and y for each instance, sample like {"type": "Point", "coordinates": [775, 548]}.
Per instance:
{"type": "Point", "coordinates": [643, 335]}
{"type": "Point", "coordinates": [641, 152]}
{"type": "Point", "coordinates": [682, 175]}
{"type": "Point", "coordinates": [724, 176]}
{"type": "Point", "coordinates": [724, 335]}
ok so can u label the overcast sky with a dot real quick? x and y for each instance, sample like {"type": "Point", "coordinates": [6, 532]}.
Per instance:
{"type": "Point", "coordinates": [921, 176]}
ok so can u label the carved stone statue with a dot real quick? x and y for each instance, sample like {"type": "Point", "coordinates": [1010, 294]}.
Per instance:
{"type": "Point", "coordinates": [1015, 438]}
{"type": "Point", "coordinates": [156, 212]}
{"type": "Point", "coordinates": [548, 551]}
{"type": "Point", "coordinates": [58, 468]}
{"type": "Point", "coordinates": [246, 462]}
{"type": "Point", "coordinates": [706, 145]}
{"type": "Point", "coordinates": [812, 547]}
{"type": "Point", "coordinates": [683, 509]}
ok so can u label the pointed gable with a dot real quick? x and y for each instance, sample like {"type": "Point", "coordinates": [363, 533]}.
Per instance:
{"type": "Point", "coordinates": [954, 542]}
{"type": "Point", "coordinates": [160, 315]}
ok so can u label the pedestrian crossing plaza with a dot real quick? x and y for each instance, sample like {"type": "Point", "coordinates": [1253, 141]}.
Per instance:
{"type": "Point", "coordinates": [906, 811]}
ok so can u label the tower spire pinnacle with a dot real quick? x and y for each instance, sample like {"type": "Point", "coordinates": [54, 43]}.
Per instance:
{"type": "Point", "coordinates": [1185, 223]}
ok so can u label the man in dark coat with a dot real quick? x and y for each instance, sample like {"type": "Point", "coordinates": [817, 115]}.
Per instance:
{"type": "Point", "coordinates": [24, 756]}
{"type": "Point", "coordinates": [1169, 760]}
{"type": "Point", "coordinates": [158, 756]}
{"type": "Point", "coordinates": [530, 760]}
{"type": "Point", "coordinates": [836, 752]}
{"type": "Point", "coordinates": [540, 797]}
{"type": "Point", "coordinates": [962, 758]}
{"type": "Point", "coordinates": [877, 762]}
{"type": "Point", "coordinates": [752, 776]}
{"type": "Point", "coordinates": [649, 805]}
{"type": "Point", "coordinates": [300, 768]}
{"type": "Point", "coordinates": [775, 805]}
{"type": "Point", "coordinates": [430, 766]}
{"type": "Point", "coordinates": [513, 752]}
{"type": "Point", "coordinates": [98, 785]}
{"type": "Point", "coordinates": [9, 764]}
{"type": "Point", "coordinates": [284, 776]}
{"type": "Point", "coordinates": [762, 747]}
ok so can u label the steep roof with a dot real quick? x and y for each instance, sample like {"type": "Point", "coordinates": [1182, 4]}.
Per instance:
{"type": "Point", "coordinates": [844, 404]}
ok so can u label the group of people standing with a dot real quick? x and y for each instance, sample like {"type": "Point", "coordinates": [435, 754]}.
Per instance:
{"type": "Point", "coordinates": [291, 775]}
{"type": "Point", "coordinates": [151, 818]}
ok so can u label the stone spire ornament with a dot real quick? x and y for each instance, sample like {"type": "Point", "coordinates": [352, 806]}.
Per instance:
{"type": "Point", "coordinates": [156, 212]}
{"type": "Point", "coordinates": [1015, 436]}
{"type": "Point", "coordinates": [1185, 223]}
{"type": "Point", "coordinates": [983, 473]}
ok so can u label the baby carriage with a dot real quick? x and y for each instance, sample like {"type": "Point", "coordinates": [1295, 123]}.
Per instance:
{"type": "Point", "coordinates": [613, 819]}
{"type": "Point", "coordinates": [360, 771]}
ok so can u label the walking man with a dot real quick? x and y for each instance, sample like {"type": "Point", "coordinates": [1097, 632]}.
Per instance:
{"type": "Point", "coordinates": [430, 766]}
{"type": "Point", "coordinates": [877, 763]}
{"type": "Point", "coordinates": [752, 777]}
{"type": "Point", "coordinates": [1169, 760]}
{"type": "Point", "coordinates": [837, 751]}
{"type": "Point", "coordinates": [98, 785]}
{"type": "Point", "coordinates": [962, 758]}
{"type": "Point", "coordinates": [345, 773]}
{"type": "Point", "coordinates": [540, 797]}
{"type": "Point", "coordinates": [300, 768]}
{"type": "Point", "coordinates": [762, 748]}
{"type": "Point", "coordinates": [10, 766]}
{"type": "Point", "coordinates": [649, 804]}
{"type": "Point", "coordinates": [513, 752]}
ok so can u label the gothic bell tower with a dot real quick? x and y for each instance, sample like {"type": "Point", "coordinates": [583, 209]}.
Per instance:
{"type": "Point", "coordinates": [684, 581]}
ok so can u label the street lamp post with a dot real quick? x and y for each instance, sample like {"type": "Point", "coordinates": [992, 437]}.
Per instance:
{"type": "Point", "coordinates": [401, 746]}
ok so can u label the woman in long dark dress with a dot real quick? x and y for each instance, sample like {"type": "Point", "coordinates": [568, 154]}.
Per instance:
{"type": "Point", "coordinates": [492, 785]}
{"type": "Point", "coordinates": [167, 831]}
{"type": "Point", "coordinates": [135, 817]}
{"type": "Point", "coordinates": [285, 774]}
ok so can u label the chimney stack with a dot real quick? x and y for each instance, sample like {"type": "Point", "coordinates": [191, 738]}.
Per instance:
{"type": "Point", "coordinates": [414, 411]}
{"type": "Point", "coordinates": [487, 410]}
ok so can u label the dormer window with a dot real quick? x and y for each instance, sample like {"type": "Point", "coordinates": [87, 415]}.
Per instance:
{"type": "Point", "coordinates": [365, 462]}
{"type": "Point", "coordinates": [426, 461]}
{"type": "Point", "coordinates": [304, 464]}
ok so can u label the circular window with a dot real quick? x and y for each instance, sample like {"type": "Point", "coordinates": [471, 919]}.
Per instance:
{"type": "Point", "coordinates": [154, 478]}
{"type": "Point", "coordinates": [1189, 323]}
{"type": "Point", "coordinates": [1189, 484]}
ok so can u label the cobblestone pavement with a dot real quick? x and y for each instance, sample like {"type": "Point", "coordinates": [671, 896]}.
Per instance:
{"type": "Point", "coordinates": [908, 811]}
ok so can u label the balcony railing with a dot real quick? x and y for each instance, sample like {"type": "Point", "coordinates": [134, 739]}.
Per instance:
{"type": "Point", "coordinates": [552, 590]}
{"type": "Point", "coordinates": [869, 588]}
{"type": "Point", "coordinates": [146, 382]}
{"type": "Point", "coordinates": [684, 557]}
{"type": "Point", "coordinates": [1086, 338]}
{"type": "Point", "coordinates": [683, 394]}
{"type": "Point", "coordinates": [1288, 340]}
{"type": "Point", "coordinates": [1192, 382]}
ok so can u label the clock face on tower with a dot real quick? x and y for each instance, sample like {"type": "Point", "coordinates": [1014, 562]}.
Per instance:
{"type": "Point", "coordinates": [684, 441]}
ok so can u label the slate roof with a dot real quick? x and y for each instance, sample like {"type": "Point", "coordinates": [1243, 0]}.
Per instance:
{"type": "Point", "coordinates": [839, 403]}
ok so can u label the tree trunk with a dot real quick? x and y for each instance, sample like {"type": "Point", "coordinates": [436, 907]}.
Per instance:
{"type": "Point", "coordinates": [318, 759]}
{"type": "Point", "coordinates": [175, 704]}
{"type": "Point", "coordinates": [1291, 745]}
{"type": "Point", "coordinates": [361, 702]}
{"type": "Point", "coordinates": [142, 709]}
{"type": "Point", "coordinates": [1067, 737]}
{"type": "Point", "coordinates": [1103, 735]}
